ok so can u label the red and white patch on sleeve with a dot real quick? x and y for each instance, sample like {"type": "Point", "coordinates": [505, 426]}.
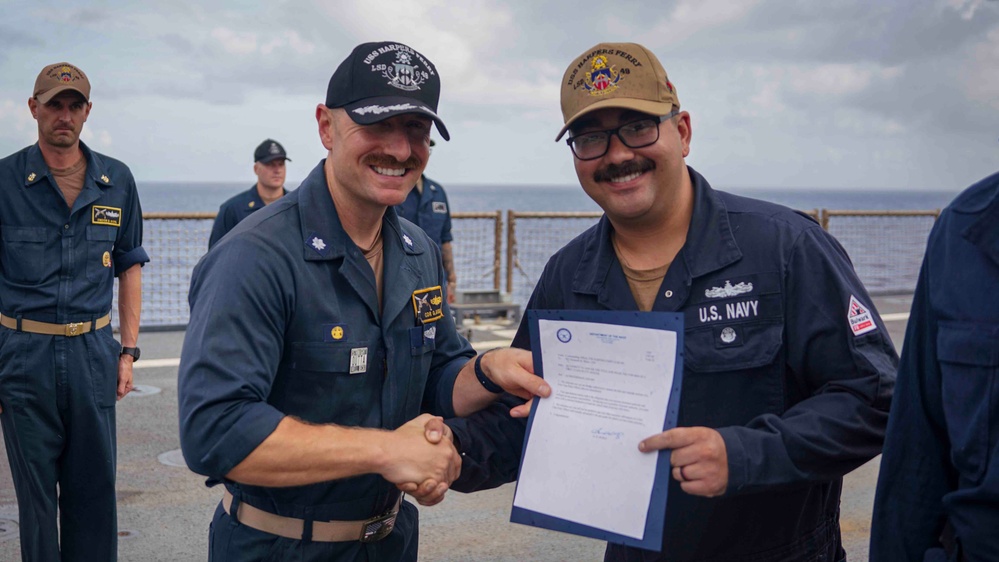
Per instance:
{"type": "Point", "coordinates": [861, 319]}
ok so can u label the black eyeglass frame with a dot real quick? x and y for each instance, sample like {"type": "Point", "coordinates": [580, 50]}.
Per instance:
{"type": "Point", "coordinates": [617, 131]}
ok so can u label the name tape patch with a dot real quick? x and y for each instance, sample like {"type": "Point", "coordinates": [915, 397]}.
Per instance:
{"type": "Point", "coordinates": [428, 304]}
{"type": "Point", "coordinates": [110, 216]}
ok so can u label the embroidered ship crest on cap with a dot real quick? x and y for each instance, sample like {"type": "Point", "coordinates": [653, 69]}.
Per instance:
{"type": "Point", "coordinates": [601, 80]}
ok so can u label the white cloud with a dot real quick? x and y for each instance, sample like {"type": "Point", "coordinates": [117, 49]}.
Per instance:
{"type": "Point", "coordinates": [16, 124]}
{"type": "Point", "coordinates": [234, 42]}
{"type": "Point", "coordinates": [99, 139]}
{"type": "Point", "coordinates": [983, 87]}
{"type": "Point", "coordinates": [689, 18]}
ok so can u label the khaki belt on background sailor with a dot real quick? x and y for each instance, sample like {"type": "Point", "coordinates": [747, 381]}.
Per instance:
{"type": "Point", "coordinates": [71, 329]}
{"type": "Point", "coordinates": [366, 530]}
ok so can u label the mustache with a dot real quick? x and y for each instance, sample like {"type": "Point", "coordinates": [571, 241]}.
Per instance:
{"type": "Point", "coordinates": [636, 165]}
{"type": "Point", "coordinates": [386, 161]}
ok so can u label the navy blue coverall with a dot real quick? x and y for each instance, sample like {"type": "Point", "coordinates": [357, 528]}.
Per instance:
{"type": "Point", "coordinates": [277, 339]}
{"type": "Point", "coordinates": [428, 210]}
{"type": "Point", "coordinates": [770, 360]}
{"type": "Point", "coordinates": [941, 457]}
{"type": "Point", "coordinates": [57, 265]}
{"type": "Point", "coordinates": [235, 209]}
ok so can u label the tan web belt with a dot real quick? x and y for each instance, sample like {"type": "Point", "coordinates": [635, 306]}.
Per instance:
{"type": "Point", "coordinates": [367, 530]}
{"type": "Point", "coordinates": [71, 329]}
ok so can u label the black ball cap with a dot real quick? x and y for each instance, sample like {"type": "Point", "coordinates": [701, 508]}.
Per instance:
{"type": "Point", "coordinates": [268, 151]}
{"type": "Point", "coordinates": [381, 80]}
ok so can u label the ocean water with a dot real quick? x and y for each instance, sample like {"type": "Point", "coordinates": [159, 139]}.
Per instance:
{"type": "Point", "coordinates": [207, 196]}
{"type": "Point", "coordinates": [886, 251]}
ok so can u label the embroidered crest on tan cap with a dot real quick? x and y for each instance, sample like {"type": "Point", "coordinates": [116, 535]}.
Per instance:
{"type": "Point", "coordinates": [60, 77]}
{"type": "Point", "coordinates": [615, 75]}
{"type": "Point", "coordinates": [601, 79]}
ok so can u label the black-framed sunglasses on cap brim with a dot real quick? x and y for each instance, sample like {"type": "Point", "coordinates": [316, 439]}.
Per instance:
{"type": "Point", "coordinates": [635, 134]}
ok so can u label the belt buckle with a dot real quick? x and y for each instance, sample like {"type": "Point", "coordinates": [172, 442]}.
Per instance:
{"type": "Point", "coordinates": [377, 528]}
{"type": "Point", "coordinates": [74, 329]}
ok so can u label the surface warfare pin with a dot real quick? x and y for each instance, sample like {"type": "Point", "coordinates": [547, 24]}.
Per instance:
{"type": "Point", "coordinates": [428, 304]}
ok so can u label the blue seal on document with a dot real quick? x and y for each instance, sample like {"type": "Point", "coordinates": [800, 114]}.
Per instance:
{"type": "Point", "coordinates": [563, 335]}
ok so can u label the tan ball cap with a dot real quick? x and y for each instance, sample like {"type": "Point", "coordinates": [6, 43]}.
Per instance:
{"type": "Point", "coordinates": [60, 77]}
{"type": "Point", "coordinates": [623, 75]}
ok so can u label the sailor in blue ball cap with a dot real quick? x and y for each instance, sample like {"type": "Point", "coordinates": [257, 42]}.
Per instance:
{"type": "Point", "coordinates": [313, 383]}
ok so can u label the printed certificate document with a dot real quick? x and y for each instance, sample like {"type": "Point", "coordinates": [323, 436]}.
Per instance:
{"type": "Point", "coordinates": [615, 379]}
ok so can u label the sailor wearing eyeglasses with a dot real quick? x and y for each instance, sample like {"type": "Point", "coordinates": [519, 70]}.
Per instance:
{"type": "Point", "coordinates": [788, 369]}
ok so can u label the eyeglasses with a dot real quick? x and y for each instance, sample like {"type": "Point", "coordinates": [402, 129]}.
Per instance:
{"type": "Point", "coordinates": [637, 134]}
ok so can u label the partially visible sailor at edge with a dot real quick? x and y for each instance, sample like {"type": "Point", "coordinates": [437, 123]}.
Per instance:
{"type": "Point", "coordinates": [788, 369]}
{"type": "Point", "coordinates": [269, 166]}
{"type": "Point", "coordinates": [937, 498]}
{"type": "Point", "coordinates": [303, 378]}
{"type": "Point", "coordinates": [427, 207]}
{"type": "Point", "coordinates": [70, 222]}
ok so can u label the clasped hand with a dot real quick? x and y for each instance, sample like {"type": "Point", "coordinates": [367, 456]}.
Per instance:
{"type": "Point", "coordinates": [423, 452]}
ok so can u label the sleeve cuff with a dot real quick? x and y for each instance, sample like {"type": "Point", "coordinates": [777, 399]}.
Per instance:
{"type": "Point", "coordinates": [253, 427]}
{"type": "Point", "coordinates": [736, 453]}
{"type": "Point", "coordinates": [137, 255]}
{"type": "Point", "coordinates": [445, 388]}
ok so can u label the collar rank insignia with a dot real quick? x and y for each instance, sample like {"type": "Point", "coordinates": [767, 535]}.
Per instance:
{"type": "Point", "coordinates": [252, 204]}
{"type": "Point", "coordinates": [428, 304]}
{"type": "Point", "coordinates": [32, 176]}
{"type": "Point", "coordinates": [105, 179]}
{"type": "Point", "coordinates": [407, 240]}
{"type": "Point", "coordinates": [110, 216]}
{"type": "Point", "coordinates": [318, 243]}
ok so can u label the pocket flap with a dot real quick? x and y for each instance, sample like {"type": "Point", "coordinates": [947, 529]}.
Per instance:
{"type": "Point", "coordinates": [329, 358]}
{"type": "Point", "coordinates": [965, 343]}
{"type": "Point", "coordinates": [24, 234]}
{"type": "Point", "coordinates": [756, 345]}
{"type": "Point", "coordinates": [102, 233]}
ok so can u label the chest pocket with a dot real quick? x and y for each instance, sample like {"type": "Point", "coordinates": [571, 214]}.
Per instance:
{"type": "Point", "coordinates": [732, 373]}
{"type": "Point", "coordinates": [969, 366]}
{"type": "Point", "coordinates": [316, 383]}
{"type": "Point", "coordinates": [100, 245]}
{"type": "Point", "coordinates": [26, 254]}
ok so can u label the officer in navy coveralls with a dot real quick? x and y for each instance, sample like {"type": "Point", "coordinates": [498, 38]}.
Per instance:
{"type": "Point", "coordinates": [307, 382]}
{"type": "Point", "coordinates": [938, 490]}
{"type": "Point", "coordinates": [427, 207]}
{"type": "Point", "coordinates": [269, 165]}
{"type": "Point", "coordinates": [788, 369]}
{"type": "Point", "coordinates": [70, 223]}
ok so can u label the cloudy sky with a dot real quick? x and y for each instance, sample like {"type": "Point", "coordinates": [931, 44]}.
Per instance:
{"type": "Point", "coordinates": [854, 93]}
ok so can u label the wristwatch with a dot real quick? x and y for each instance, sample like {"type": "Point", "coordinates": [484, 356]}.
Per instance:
{"type": "Point", "coordinates": [133, 351]}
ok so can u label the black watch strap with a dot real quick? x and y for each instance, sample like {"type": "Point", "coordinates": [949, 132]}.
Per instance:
{"type": "Point", "coordinates": [133, 351]}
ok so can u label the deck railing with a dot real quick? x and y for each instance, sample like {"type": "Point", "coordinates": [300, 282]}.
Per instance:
{"type": "Point", "coordinates": [492, 254]}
